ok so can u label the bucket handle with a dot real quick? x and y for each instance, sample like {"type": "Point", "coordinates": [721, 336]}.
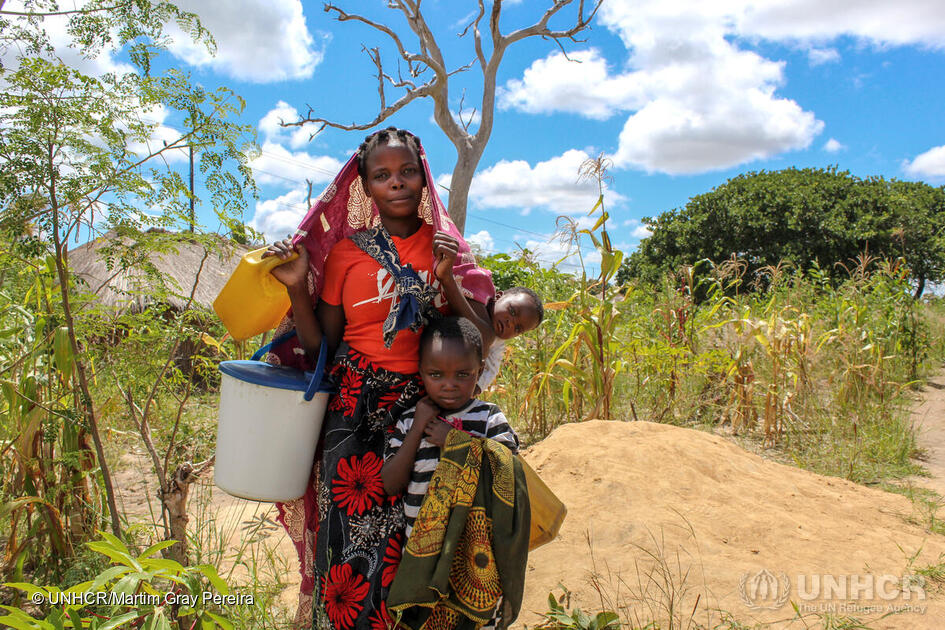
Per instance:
{"type": "Point", "coordinates": [319, 365]}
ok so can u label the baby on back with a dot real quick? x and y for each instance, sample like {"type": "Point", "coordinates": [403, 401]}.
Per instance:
{"type": "Point", "coordinates": [509, 314]}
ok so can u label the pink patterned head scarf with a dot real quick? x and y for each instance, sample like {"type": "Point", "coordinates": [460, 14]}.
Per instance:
{"type": "Point", "coordinates": [342, 209]}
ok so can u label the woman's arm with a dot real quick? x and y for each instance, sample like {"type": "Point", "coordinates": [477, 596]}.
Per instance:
{"type": "Point", "coordinates": [445, 249]}
{"type": "Point", "coordinates": [294, 275]}
{"type": "Point", "coordinates": [396, 471]}
{"type": "Point", "coordinates": [331, 318]}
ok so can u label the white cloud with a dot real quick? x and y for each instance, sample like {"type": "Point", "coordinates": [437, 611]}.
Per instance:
{"type": "Point", "coordinates": [281, 167]}
{"type": "Point", "coordinates": [580, 86]}
{"type": "Point", "coordinates": [820, 56]}
{"type": "Point", "coordinates": [874, 21]}
{"type": "Point", "coordinates": [279, 217]}
{"type": "Point", "coordinates": [552, 184]}
{"type": "Point", "coordinates": [271, 128]}
{"type": "Point", "coordinates": [833, 145]}
{"type": "Point", "coordinates": [697, 99]}
{"type": "Point", "coordinates": [929, 164]}
{"type": "Point", "coordinates": [641, 231]}
{"type": "Point", "coordinates": [710, 105]}
{"type": "Point", "coordinates": [483, 239]}
{"type": "Point", "coordinates": [260, 41]}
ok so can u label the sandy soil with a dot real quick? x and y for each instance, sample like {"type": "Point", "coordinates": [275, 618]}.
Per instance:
{"type": "Point", "coordinates": [671, 522]}
{"type": "Point", "coordinates": [658, 509]}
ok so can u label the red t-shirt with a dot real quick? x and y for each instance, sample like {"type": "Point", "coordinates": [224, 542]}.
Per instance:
{"type": "Point", "coordinates": [365, 290]}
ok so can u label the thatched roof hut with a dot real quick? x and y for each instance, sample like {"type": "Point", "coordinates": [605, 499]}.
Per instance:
{"type": "Point", "coordinates": [177, 262]}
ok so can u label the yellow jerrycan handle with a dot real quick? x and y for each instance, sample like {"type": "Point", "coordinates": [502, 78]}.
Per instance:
{"type": "Point", "coordinates": [253, 301]}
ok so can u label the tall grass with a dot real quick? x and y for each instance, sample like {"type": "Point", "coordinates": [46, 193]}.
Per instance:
{"type": "Point", "coordinates": [814, 369]}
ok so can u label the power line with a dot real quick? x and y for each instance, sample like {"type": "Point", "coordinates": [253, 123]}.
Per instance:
{"type": "Point", "coordinates": [511, 227]}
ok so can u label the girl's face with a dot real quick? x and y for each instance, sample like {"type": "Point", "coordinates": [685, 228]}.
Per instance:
{"type": "Point", "coordinates": [394, 180]}
{"type": "Point", "coordinates": [514, 314]}
{"type": "Point", "coordinates": [449, 371]}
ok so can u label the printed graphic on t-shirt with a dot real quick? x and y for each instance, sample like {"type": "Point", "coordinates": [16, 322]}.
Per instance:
{"type": "Point", "coordinates": [387, 288]}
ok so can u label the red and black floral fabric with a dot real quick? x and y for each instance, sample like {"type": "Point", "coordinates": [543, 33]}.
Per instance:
{"type": "Point", "coordinates": [360, 528]}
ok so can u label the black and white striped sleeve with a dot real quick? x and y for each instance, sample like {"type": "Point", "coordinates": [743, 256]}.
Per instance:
{"type": "Point", "coordinates": [396, 437]}
{"type": "Point", "coordinates": [499, 429]}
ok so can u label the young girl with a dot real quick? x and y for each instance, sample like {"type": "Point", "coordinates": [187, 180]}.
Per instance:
{"type": "Point", "coordinates": [374, 291]}
{"type": "Point", "coordinates": [487, 555]}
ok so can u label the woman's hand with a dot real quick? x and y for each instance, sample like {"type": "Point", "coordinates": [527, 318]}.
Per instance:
{"type": "Point", "coordinates": [445, 250]}
{"type": "Point", "coordinates": [293, 274]}
{"type": "Point", "coordinates": [436, 432]}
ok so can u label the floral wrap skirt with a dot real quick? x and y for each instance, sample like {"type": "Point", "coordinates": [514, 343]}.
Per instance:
{"type": "Point", "coordinates": [359, 533]}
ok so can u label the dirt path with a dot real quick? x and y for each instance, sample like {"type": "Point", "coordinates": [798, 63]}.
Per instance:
{"type": "Point", "coordinates": [929, 417]}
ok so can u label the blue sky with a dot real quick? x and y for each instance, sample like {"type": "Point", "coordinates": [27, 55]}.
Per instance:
{"type": "Point", "coordinates": [680, 95]}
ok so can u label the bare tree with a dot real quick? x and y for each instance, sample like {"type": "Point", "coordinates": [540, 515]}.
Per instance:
{"type": "Point", "coordinates": [428, 76]}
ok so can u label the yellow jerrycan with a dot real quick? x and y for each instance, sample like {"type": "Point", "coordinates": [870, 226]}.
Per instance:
{"type": "Point", "coordinates": [547, 510]}
{"type": "Point", "coordinates": [252, 301]}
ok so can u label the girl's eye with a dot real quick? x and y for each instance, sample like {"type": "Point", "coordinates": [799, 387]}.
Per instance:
{"type": "Point", "coordinates": [380, 176]}
{"type": "Point", "coordinates": [513, 312]}
{"type": "Point", "coordinates": [409, 170]}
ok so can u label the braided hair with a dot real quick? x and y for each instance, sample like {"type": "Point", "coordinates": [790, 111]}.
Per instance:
{"type": "Point", "coordinates": [382, 137]}
{"type": "Point", "coordinates": [455, 328]}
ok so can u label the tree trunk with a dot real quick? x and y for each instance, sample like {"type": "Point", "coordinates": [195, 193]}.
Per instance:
{"type": "Point", "coordinates": [468, 154]}
{"type": "Point", "coordinates": [175, 500]}
{"type": "Point", "coordinates": [459, 191]}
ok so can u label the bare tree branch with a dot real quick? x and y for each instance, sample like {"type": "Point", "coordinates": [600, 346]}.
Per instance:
{"type": "Point", "coordinates": [541, 27]}
{"type": "Point", "coordinates": [410, 58]}
{"type": "Point", "coordinates": [469, 146]}
{"type": "Point", "coordinates": [477, 36]}
{"type": "Point", "coordinates": [385, 113]}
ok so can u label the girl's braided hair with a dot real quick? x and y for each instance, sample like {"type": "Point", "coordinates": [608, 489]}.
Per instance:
{"type": "Point", "coordinates": [382, 137]}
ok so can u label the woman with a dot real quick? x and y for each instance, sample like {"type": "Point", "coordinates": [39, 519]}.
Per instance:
{"type": "Point", "coordinates": [376, 288]}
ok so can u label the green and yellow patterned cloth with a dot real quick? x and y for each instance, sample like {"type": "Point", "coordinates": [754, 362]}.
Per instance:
{"type": "Point", "coordinates": [469, 544]}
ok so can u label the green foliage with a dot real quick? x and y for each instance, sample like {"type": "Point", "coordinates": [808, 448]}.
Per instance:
{"type": "Point", "coordinates": [559, 618]}
{"type": "Point", "coordinates": [143, 591]}
{"type": "Point", "coordinates": [78, 156]}
{"type": "Point", "coordinates": [799, 216]}
{"type": "Point", "coordinates": [587, 361]}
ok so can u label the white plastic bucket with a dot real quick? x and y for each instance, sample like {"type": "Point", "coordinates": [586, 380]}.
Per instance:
{"type": "Point", "coordinates": [267, 430]}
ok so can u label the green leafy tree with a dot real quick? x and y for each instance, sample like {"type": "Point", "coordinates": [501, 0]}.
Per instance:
{"type": "Point", "coordinates": [78, 152]}
{"type": "Point", "coordinates": [802, 216]}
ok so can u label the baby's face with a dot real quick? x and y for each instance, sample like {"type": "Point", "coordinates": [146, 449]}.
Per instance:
{"type": "Point", "coordinates": [449, 371]}
{"type": "Point", "coordinates": [513, 315]}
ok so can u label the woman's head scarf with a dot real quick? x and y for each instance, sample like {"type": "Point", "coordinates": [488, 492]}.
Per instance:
{"type": "Point", "coordinates": [343, 209]}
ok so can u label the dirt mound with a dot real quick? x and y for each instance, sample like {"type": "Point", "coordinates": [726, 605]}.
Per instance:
{"type": "Point", "coordinates": [678, 519]}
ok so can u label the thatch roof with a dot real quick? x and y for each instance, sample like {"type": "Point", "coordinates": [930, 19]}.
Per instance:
{"type": "Point", "coordinates": [176, 267]}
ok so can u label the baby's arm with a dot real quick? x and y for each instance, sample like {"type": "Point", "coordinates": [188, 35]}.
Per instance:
{"type": "Point", "coordinates": [445, 249]}
{"type": "Point", "coordinates": [396, 471]}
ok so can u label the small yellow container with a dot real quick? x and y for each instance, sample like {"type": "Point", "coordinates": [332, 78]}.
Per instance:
{"type": "Point", "coordinates": [253, 301]}
{"type": "Point", "coordinates": [547, 510]}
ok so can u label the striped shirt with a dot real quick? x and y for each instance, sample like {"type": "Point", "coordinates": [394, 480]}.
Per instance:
{"type": "Point", "coordinates": [480, 418]}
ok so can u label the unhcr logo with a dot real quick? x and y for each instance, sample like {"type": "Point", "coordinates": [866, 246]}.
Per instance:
{"type": "Point", "coordinates": [767, 590]}
{"type": "Point", "coordinates": [764, 590]}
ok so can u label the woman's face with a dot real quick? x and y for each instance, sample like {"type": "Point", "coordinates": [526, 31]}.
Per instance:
{"type": "Point", "coordinates": [394, 180]}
